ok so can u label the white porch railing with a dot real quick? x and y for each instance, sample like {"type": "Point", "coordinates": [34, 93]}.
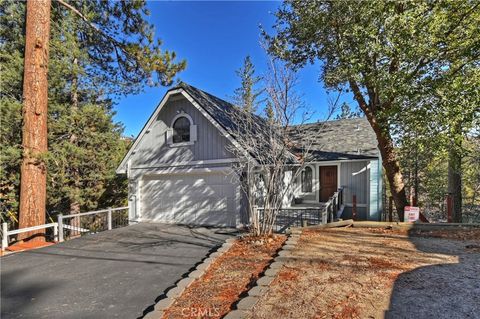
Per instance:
{"type": "Point", "coordinates": [70, 226]}
{"type": "Point", "coordinates": [7, 233]}
{"type": "Point", "coordinates": [333, 207]}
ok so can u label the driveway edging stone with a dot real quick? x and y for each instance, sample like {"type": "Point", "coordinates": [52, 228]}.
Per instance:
{"type": "Point", "coordinates": [175, 292]}
{"type": "Point", "coordinates": [245, 305]}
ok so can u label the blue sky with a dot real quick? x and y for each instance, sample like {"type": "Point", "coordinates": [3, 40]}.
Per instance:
{"type": "Point", "coordinates": [214, 38]}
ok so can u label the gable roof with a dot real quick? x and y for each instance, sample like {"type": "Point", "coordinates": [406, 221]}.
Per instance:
{"type": "Point", "coordinates": [331, 140]}
{"type": "Point", "coordinates": [231, 118]}
{"type": "Point", "coordinates": [218, 111]}
{"type": "Point", "coordinates": [338, 139]}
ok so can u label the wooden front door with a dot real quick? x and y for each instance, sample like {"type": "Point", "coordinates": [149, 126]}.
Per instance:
{"type": "Point", "coordinates": [328, 182]}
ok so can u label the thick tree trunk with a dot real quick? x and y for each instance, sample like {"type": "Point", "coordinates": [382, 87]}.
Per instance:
{"type": "Point", "coordinates": [455, 183]}
{"type": "Point", "coordinates": [35, 102]}
{"type": "Point", "coordinates": [392, 168]}
{"type": "Point", "coordinates": [74, 198]}
{"type": "Point", "coordinates": [387, 151]}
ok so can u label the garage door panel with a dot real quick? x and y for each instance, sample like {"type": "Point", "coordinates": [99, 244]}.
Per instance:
{"type": "Point", "coordinates": [206, 199]}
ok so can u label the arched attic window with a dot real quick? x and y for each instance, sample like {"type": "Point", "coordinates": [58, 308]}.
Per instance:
{"type": "Point", "coordinates": [182, 131]}
{"type": "Point", "coordinates": [307, 180]}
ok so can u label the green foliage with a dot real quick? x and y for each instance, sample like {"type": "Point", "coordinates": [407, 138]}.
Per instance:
{"type": "Point", "coordinates": [472, 171]}
{"type": "Point", "coordinates": [246, 96]}
{"type": "Point", "coordinates": [120, 54]}
{"type": "Point", "coordinates": [413, 68]}
{"type": "Point", "coordinates": [393, 50]}
{"type": "Point", "coordinates": [269, 112]}
{"type": "Point", "coordinates": [81, 171]}
{"type": "Point", "coordinates": [114, 53]}
{"type": "Point", "coordinates": [346, 112]}
{"type": "Point", "coordinates": [10, 156]}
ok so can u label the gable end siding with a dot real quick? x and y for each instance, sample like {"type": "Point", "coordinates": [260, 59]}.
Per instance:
{"type": "Point", "coordinates": [154, 150]}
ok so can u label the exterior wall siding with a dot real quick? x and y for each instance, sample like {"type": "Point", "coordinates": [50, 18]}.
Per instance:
{"type": "Point", "coordinates": [354, 178]}
{"type": "Point", "coordinates": [375, 190]}
{"type": "Point", "coordinates": [153, 148]}
{"type": "Point", "coordinates": [361, 213]}
{"type": "Point", "coordinates": [153, 155]}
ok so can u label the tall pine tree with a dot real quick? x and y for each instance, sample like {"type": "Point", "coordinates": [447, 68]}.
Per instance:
{"type": "Point", "coordinates": [87, 68]}
{"type": "Point", "coordinates": [246, 96]}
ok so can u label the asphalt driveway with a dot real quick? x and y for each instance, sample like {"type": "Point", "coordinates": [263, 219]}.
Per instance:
{"type": "Point", "coordinates": [114, 274]}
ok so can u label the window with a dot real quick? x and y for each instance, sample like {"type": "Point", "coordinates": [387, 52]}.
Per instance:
{"type": "Point", "coordinates": [181, 130]}
{"type": "Point", "coordinates": [307, 176]}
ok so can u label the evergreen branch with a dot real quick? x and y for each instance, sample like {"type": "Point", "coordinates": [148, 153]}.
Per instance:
{"type": "Point", "coordinates": [115, 42]}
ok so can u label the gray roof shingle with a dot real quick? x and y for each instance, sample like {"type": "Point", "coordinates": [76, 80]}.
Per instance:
{"type": "Point", "coordinates": [337, 139]}
{"type": "Point", "coordinates": [331, 140]}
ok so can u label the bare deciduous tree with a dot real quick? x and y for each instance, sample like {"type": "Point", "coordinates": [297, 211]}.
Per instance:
{"type": "Point", "coordinates": [270, 161]}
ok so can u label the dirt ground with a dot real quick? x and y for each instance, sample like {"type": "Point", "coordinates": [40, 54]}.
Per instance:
{"type": "Point", "coordinates": [231, 274]}
{"type": "Point", "coordinates": [377, 273]}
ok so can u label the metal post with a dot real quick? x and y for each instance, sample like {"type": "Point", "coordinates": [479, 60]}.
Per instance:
{"type": "Point", "coordinates": [4, 236]}
{"type": "Point", "coordinates": [354, 207]}
{"type": "Point", "coordinates": [60, 228]}
{"type": "Point", "coordinates": [109, 218]}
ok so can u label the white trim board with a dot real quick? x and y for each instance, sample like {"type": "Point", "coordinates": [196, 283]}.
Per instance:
{"type": "Point", "coordinates": [173, 171]}
{"type": "Point", "coordinates": [328, 163]}
{"type": "Point", "coordinates": [191, 163]}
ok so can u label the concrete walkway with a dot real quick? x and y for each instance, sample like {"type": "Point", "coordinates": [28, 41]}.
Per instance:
{"type": "Point", "coordinates": [114, 274]}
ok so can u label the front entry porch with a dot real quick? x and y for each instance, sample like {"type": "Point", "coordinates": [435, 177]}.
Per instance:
{"type": "Point", "coordinates": [306, 214]}
{"type": "Point", "coordinates": [316, 184]}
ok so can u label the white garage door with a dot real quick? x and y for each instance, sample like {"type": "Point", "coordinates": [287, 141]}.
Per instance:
{"type": "Point", "coordinates": [193, 199]}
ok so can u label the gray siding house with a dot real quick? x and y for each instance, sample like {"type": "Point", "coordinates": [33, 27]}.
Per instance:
{"type": "Point", "coordinates": [179, 168]}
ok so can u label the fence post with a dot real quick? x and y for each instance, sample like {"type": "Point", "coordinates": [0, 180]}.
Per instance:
{"type": "Point", "coordinates": [354, 207]}
{"type": "Point", "coordinates": [55, 232]}
{"type": "Point", "coordinates": [109, 218]}
{"type": "Point", "coordinates": [4, 236]}
{"type": "Point", "coordinates": [60, 228]}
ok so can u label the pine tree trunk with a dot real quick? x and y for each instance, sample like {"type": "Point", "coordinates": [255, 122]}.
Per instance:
{"type": "Point", "coordinates": [74, 200]}
{"type": "Point", "coordinates": [35, 102]}
{"type": "Point", "coordinates": [455, 183]}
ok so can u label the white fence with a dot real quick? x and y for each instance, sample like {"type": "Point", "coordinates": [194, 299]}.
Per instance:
{"type": "Point", "coordinates": [71, 226]}
{"type": "Point", "coordinates": [7, 233]}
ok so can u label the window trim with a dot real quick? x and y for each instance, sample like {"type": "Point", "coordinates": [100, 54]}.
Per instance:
{"type": "Point", "coordinates": [175, 118]}
{"type": "Point", "coordinates": [311, 179]}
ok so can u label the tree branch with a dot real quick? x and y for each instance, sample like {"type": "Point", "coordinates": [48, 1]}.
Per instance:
{"type": "Point", "coordinates": [111, 39]}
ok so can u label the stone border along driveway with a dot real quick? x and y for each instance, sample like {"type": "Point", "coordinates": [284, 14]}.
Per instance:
{"type": "Point", "coordinates": [246, 304]}
{"type": "Point", "coordinates": [182, 284]}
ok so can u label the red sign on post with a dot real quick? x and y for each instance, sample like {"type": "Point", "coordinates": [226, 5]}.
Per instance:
{"type": "Point", "coordinates": [411, 214]}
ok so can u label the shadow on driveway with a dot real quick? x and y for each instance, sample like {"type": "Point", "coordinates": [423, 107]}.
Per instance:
{"type": "Point", "coordinates": [114, 274]}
